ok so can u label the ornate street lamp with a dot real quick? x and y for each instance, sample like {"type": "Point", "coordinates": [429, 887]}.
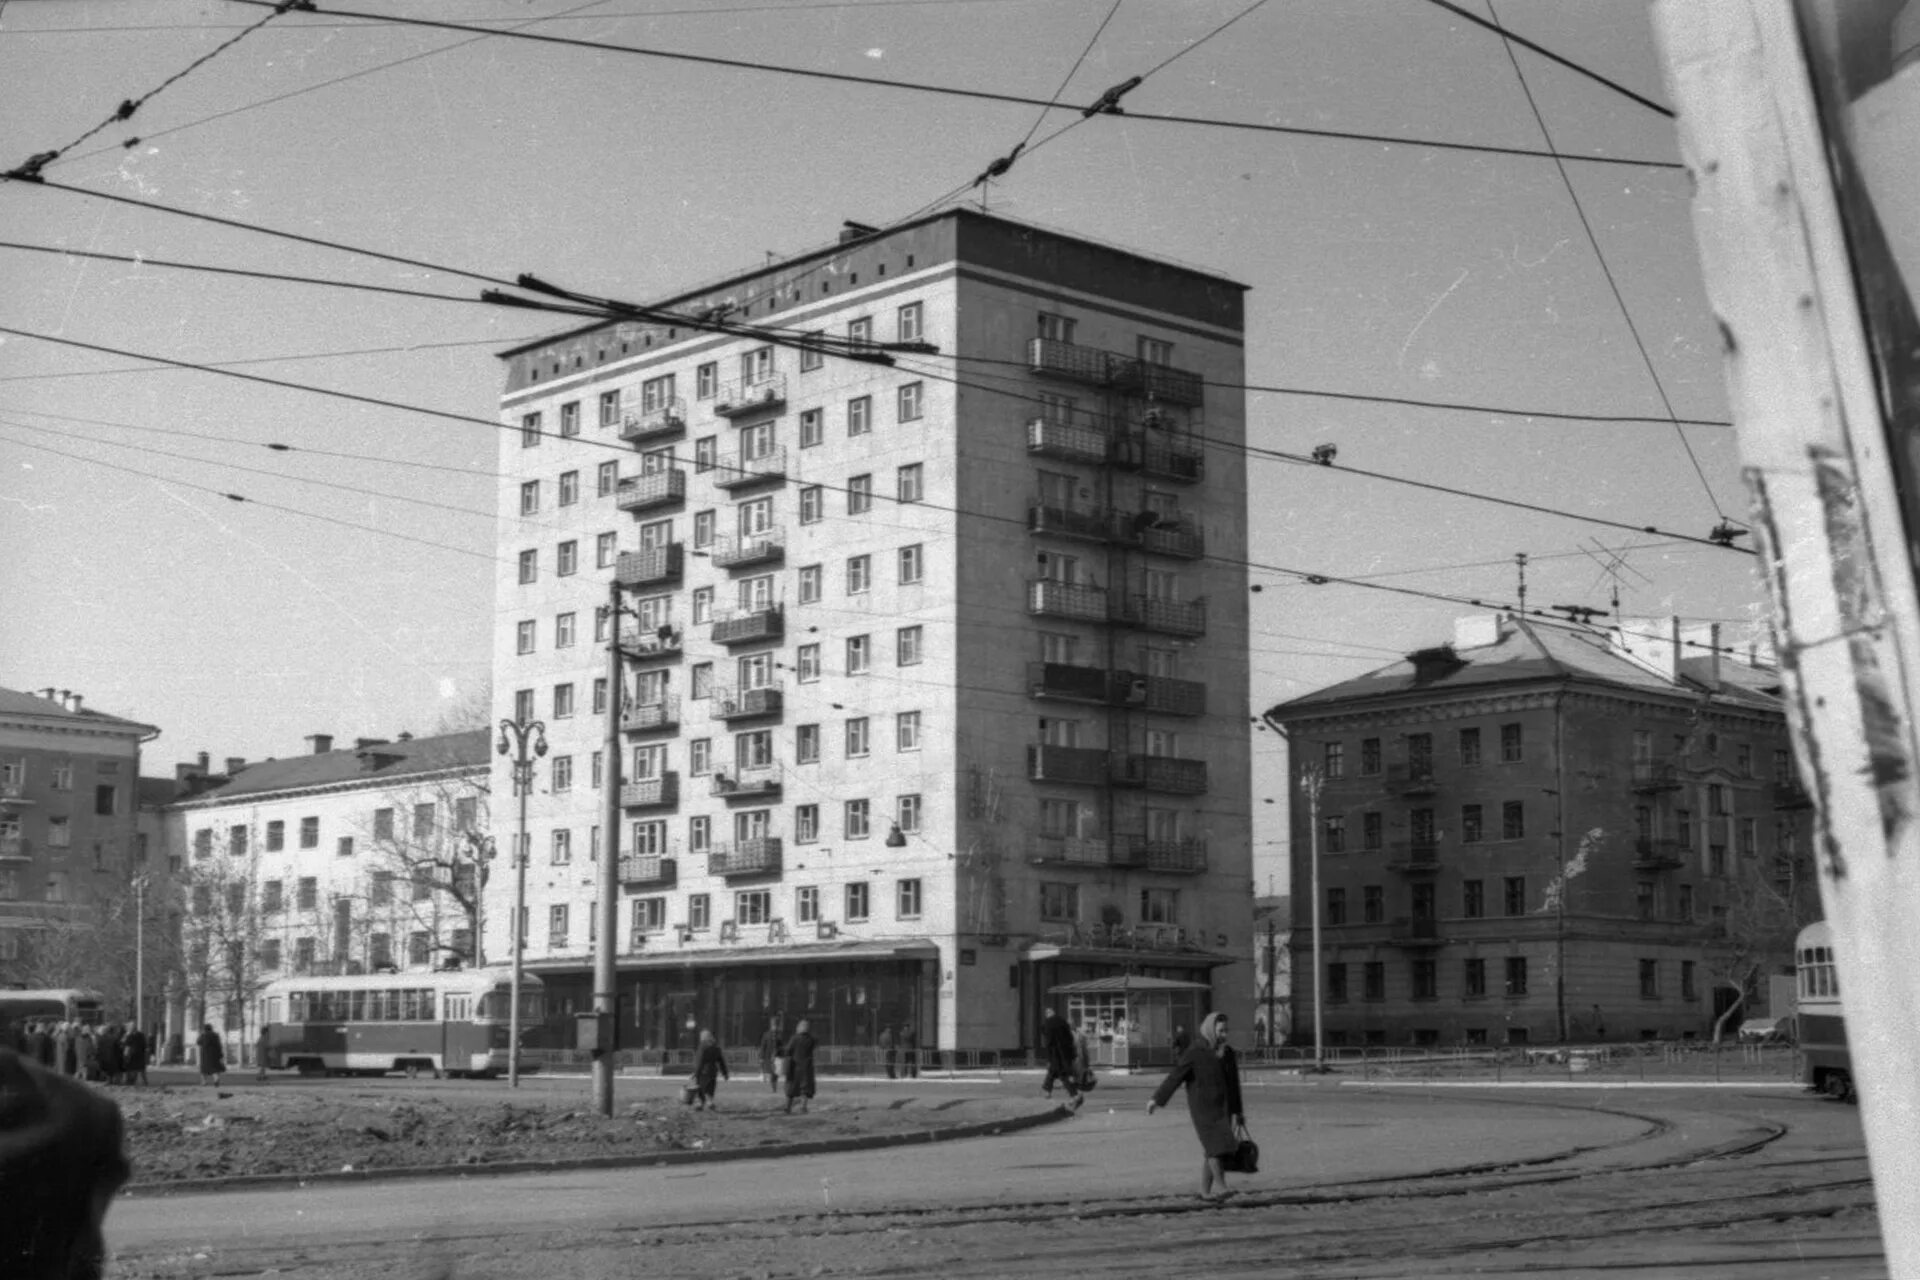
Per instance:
{"type": "Point", "coordinates": [515, 739]}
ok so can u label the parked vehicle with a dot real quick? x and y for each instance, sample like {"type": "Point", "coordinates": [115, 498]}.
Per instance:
{"type": "Point", "coordinates": [1767, 1030]}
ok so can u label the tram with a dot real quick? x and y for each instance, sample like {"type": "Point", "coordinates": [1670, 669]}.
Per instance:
{"type": "Point", "coordinates": [452, 1022]}
{"type": "Point", "coordinates": [58, 1004]}
{"type": "Point", "coordinates": [1826, 1065]}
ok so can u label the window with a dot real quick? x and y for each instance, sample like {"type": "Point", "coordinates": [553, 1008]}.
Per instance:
{"type": "Point", "coordinates": [1336, 906]}
{"type": "Point", "coordinates": [1474, 978]}
{"type": "Point", "coordinates": [907, 323]}
{"type": "Point", "coordinates": [1373, 980]}
{"type": "Point", "coordinates": [912, 565]}
{"type": "Point", "coordinates": [529, 430]}
{"type": "Point", "coordinates": [523, 636]}
{"type": "Point", "coordinates": [1516, 975]}
{"type": "Point", "coordinates": [276, 836]}
{"type": "Point", "coordinates": [1471, 830]}
{"type": "Point", "coordinates": [606, 478]}
{"type": "Point", "coordinates": [811, 357]}
{"type": "Point", "coordinates": [307, 893]}
{"type": "Point", "coordinates": [569, 488]}
{"type": "Point", "coordinates": [1335, 834]}
{"type": "Point", "coordinates": [570, 418]}
{"type": "Point", "coordinates": [1649, 979]}
{"type": "Point", "coordinates": [858, 654]}
{"type": "Point", "coordinates": [1515, 902]}
{"type": "Point", "coordinates": [860, 332]}
{"type": "Point", "coordinates": [859, 495]}
{"type": "Point", "coordinates": [907, 899]}
{"type": "Point", "coordinates": [1688, 991]}
{"type": "Point", "coordinates": [563, 701]}
{"type": "Point", "coordinates": [1373, 904]}
{"type": "Point", "coordinates": [605, 550]}
{"type": "Point", "coordinates": [1159, 906]}
{"type": "Point", "coordinates": [806, 666]}
{"type": "Point", "coordinates": [1510, 751]}
{"type": "Point", "coordinates": [1336, 983]}
{"type": "Point", "coordinates": [1426, 980]}
{"type": "Point", "coordinates": [706, 454]}
{"type": "Point", "coordinates": [756, 365]}
{"type": "Point", "coordinates": [310, 833]}
{"type": "Point", "coordinates": [857, 820]}
{"type": "Point", "coordinates": [1055, 328]}
{"type": "Point", "coordinates": [702, 606]}
{"type": "Point", "coordinates": [609, 409]}
{"type": "Point", "coordinates": [563, 630]}
{"type": "Point", "coordinates": [706, 380]}
{"type": "Point", "coordinates": [1335, 755]}
{"type": "Point", "coordinates": [343, 846]}
{"type": "Point", "coordinates": [906, 731]}
{"type": "Point", "coordinates": [523, 705]}
{"type": "Point", "coordinates": [806, 823]}
{"type": "Point", "coordinates": [857, 901]}
{"type": "Point", "coordinates": [907, 647]}
{"type": "Point", "coordinates": [562, 774]}
{"type": "Point", "coordinates": [753, 906]}
{"type": "Point", "coordinates": [530, 498]}
{"type": "Point", "coordinates": [1683, 828]}
{"type": "Point", "coordinates": [566, 561]}
{"type": "Point", "coordinates": [859, 574]}
{"type": "Point", "coordinates": [270, 954]}
{"type": "Point", "coordinates": [860, 416]}
{"type": "Point", "coordinates": [910, 401]}
{"type": "Point", "coordinates": [1469, 746]}
{"type": "Point", "coordinates": [906, 812]}
{"type": "Point", "coordinates": [557, 926]}
{"type": "Point", "coordinates": [1513, 820]}
{"type": "Point", "coordinates": [811, 431]}
{"type": "Point", "coordinates": [62, 777]}
{"type": "Point", "coordinates": [813, 501]}
{"type": "Point", "coordinates": [1686, 902]}
{"type": "Point", "coordinates": [1473, 899]}
{"type": "Point", "coordinates": [1370, 835]}
{"type": "Point", "coordinates": [529, 566]}
{"type": "Point", "coordinates": [856, 737]}
{"type": "Point", "coordinates": [700, 680]}
{"type": "Point", "coordinates": [810, 576]}
{"type": "Point", "coordinates": [806, 744]}
{"type": "Point", "coordinates": [910, 482]}
{"type": "Point", "coordinates": [1369, 756]}
{"type": "Point", "coordinates": [700, 757]}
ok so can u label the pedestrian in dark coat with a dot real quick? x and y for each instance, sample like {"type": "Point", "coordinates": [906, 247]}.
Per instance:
{"type": "Point", "coordinates": [885, 1042]}
{"type": "Point", "coordinates": [1211, 1073]}
{"type": "Point", "coordinates": [709, 1068]}
{"type": "Point", "coordinates": [1181, 1042]}
{"type": "Point", "coordinates": [87, 1048]}
{"type": "Point", "coordinates": [66, 1058]}
{"type": "Point", "coordinates": [61, 1160]}
{"type": "Point", "coordinates": [909, 1052]}
{"type": "Point", "coordinates": [136, 1055]}
{"type": "Point", "coordinates": [1056, 1041]}
{"type": "Point", "coordinates": [112, 1053]}
{"type": "Point", "coordinates": [799, 1060]}
{"type": "Point", "coordinates": [39, 1044]}
{"type": "Point", "coordinates": [213, 1055]}
{"type": "Point", "coordinates": [771, 1051]}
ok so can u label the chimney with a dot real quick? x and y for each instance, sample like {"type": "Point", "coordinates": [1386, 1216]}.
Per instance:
{"type": "Point", "coordinates": [235, 764]}
{"type": "Point", "coordinates": [206, 762]}
{"type": "Point", "coordinates": [320, 743]}
{"type": "Point", "coordinates": [184, 770]}
{"type": "Point", "coordinates": [74, 705]}
{"type": "Point", "coordinates": [405, 736]}
{"type": "Point", "coordinates": [361, 744]}
{"type": "Point", "coordinates": [46, 693]}
{"type": "Point", "coordinates": [65, 694]}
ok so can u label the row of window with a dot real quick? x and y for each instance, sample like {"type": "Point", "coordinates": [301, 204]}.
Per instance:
{"type": "Point", "coordinates": [424, 824]}
{"type": "Point", "coordinates": [755, 516]}
{"type": "Point", "coordinates": [651, 837]}
{"type": "Point", "coordinates": [1423, 830]}
{"type": "Point", "coordinates": [1423, 979]}
{"type": "Point", "coordinates": [750, 907]}
{"type": "Point", "coordinates": [380, 955]}
{"type": "Point", "coordinates": [1651, 901]}
{"type": "Point", "coordinates": [1060, 904]}
{"type": "Point", "coordinates": [1420, 753]}
{"type": "Point", "coordinates": [13, 773]}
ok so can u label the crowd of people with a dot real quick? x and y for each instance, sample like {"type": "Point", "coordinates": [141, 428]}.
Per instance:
{"type": "Point", "coordinates": [111, 1053]}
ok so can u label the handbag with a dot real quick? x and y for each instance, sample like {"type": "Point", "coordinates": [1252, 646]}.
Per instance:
{"type": "Point", "coordinates": [1246, 1156]}
{"type": "Point", "coordinates": [689, 1093]}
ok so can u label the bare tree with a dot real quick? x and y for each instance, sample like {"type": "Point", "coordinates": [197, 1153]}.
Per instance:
{"type": "Point", "coordinates": [428, 865]}
{"type": "Point", "coordinates": [1762, 905]}
{"type": "Point", "coordinates": [222, 931]}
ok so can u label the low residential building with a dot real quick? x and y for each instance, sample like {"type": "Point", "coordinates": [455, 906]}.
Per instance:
{"type": "Point", "coordinates": [1537, 833]}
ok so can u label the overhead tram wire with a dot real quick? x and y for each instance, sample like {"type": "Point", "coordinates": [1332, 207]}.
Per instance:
{"type": "Point", "coordinates": [286, 359]}
{"type": "Point", "coordinates": [245, 273]}
{"type": "Point", "coordinates": [1593, 241]}
{"type": "Point", "coordinates": [990, 96]}
{"type": "Point", "coordinates": [1507, 34]}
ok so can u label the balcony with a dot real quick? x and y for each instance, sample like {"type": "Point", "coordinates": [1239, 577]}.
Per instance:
{"type": "Point", "coordinates": [748, 626]}
{"type": "Point", "coordinates": [766, 547]}
{"type": "Point", "coordinates": [1069, 441]}
{"type": "Point", "coordinates": [650, 567]}
{"type": "Point", "coordinates": [1417, 856]}
{"type": "Point", "coordinates": [1083, 766]}
{"type": "Point", "coordinates": [1166, 534]}
{"type": "Point", "coordinates": [1094, 524]}
{"type": "Point", "coordinates": [1072, 851]}
{"type": "Point", "coordinates": [1052, 358]}
{"type": "Point", "coordinates": [1182, 857]}
{"type": "Point", "coordinates": [649, 871]}
{"type": "Point", "coordinates": [737, 399]}
{"type": "Point", "coordinates": [662, 792]}
{"type": "Point", "coordinates": [14, 794]}
{"type": "Point", "coordinates": [746, 704]}
{"type": "Point", "coordinates": [1169, 617]}
{"type": "Point", "coordinates": [655, 489]}
{"type": "Point", "coordinates": [740, 471]}
{"type": "Point", "coordinates": [1168, 774]}
{"type": "Point", "coordinates": [1050, 599]}
{"type": "Point", "coordinates": [15, 849]}
{"type": "Point", "coordinates": [1656, 775]}
{"type": "Point", "coordinates": [1164, 695]}
{"type": "Point", "coordinates": [1418, 931]}
{"type": "Point", "coordinates": [762, 782]}
{"type": "Point", "coordinates": [1791, 794]}
{"type": "Point", "coordinates": [759, 856]}
{"type": "Point", "coordinates": [1161, 455]}
{"type": "Point", "coordinates": [1158, 382]}
{"type": "Point", "coordinates": [1410, 779]}
{"type": "Point", "coordinates": [1656, 853]}
{"type": "Point", "coordinates": [1069, 683]}
{"type": "Point", "coordinates": [657, 645]}
{"type": "Point", "coordinates": [650, 717]}
{"type": "Point", "coordinates": [663, 422]}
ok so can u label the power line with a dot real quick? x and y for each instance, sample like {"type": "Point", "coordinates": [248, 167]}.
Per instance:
{"type": "Point", "coordinates": [243, 272]}
{"type": "Point", "coordinates": [1551, 56]}
{"type": "Point", "coordinates": [286, 359]}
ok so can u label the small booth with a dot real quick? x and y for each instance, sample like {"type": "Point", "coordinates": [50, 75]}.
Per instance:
{"type": "Point", "coordinates": [1130, 1020]}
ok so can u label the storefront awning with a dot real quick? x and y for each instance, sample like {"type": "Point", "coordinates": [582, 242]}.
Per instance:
{"type": "Point", "coordinates": [1082, 954]}
{"type": "Point", "coordinates": [1125, 984]}
{"type": "Point", "coordinates": [671, 957]}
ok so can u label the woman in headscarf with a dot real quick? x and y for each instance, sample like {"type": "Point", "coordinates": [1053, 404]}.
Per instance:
{"type": "Point", "coordinates": [709, 1065]}
{"type": "Point", "coordinates": [1211, 1072]}
{"type": "Point", "coordinates": [213, 1055]}
{"type": "Point", "coordinates": [799, 1060]}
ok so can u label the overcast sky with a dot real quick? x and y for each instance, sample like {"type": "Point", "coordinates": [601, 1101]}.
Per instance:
{"type": "Point", "coordinates": [351, 593]}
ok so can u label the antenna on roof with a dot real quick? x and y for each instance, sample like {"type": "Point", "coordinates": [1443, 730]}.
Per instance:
{"type": "Point", "coordinates": [1520, 560]}
{"type": "Point", "coordinates": [1580, 613]}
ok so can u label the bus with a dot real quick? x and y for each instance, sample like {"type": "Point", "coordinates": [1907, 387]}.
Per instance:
{"type": "Point", "coordinates": [451, 1022]}
{"type": "Point", "coordinates": [58, 1004]}
{"type": "Point", "coordinates": [1826, 1066]}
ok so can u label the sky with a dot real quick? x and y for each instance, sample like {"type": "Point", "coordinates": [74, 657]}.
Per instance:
{"type": "Point", "coordinates": [350, 593]}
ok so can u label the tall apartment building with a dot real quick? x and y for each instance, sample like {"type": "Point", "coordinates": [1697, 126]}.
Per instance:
{"type": "Point", "coordinates": [68, 848]}
{"type": "Point", "coordinates": [936, 669]}
{"type": "Point", "coordinates": [1531, 834]}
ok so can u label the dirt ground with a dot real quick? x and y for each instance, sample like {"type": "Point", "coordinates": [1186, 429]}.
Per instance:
{"type": "Point", "coordinates": [182, 1133]}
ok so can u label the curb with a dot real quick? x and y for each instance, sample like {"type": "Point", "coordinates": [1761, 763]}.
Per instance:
{"type": "Point", "coordinates": [825, 1146]}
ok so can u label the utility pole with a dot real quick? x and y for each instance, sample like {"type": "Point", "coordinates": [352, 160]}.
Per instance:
{"type": "Point", "coordinates": [522, 784]}
{"type": "Point", "coordinates": [606, 1004]}
{"type": "Point", "coordinates": [1311, 781]}
{"type": "Point", "coordinates": [140, 952]}
{"type": "Point", "coordinates": [1273, 982]}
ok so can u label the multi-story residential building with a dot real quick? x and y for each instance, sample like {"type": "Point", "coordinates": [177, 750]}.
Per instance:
{"type": "Point", "coordinates": [335, 861]}
{"type": "Point", "coordinates": [1536, 833]}
{"type": "Point", "coordinates": [935, 662]}
{"type": "Point", "coordinates": [68, 848]}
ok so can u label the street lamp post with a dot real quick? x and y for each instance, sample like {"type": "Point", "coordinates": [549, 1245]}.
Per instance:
{"type": "Point", "coordinates": [514, 740]}
{"type": "Point", "coordinates": [140, 952]}
{"type": "Point", "coordinates": [1311, 782]}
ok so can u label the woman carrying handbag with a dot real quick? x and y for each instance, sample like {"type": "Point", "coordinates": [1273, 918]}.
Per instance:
{"type": "Point", "coordinates": [1210, 1070]}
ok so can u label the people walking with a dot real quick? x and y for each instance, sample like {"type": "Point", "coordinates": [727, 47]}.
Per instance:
{"type": "Point", "coordinates": [87, 1049]}
{"type": "Point", "coordinates": [885, 1041]}
{"type": "Point", "coordinates": [771, 1051]}
{"type": "Point", "coordinates": [136, 1049]}
{"type": "Point", "coordinates": [40, 1044]}
{"type": "Point", "coordinates": [799, 1065]}
{"type": "Point", "coordinates": [709, 1068]}
{"type": "Point", "coordinates": [1210, 1070]}
{"type": "Point", "coordinates": [261, 1045]}
{"type": "Point", "coordinates": [213, 1055]}
{"type": "Point", "coordinates": [1056, 1042]}
{"type": "Point", "coordinates": [65, 1060]}
{"type": "Point", "coordinates": [112, 1053]}
{"type": "Point", "coordinates": [909, 1051]}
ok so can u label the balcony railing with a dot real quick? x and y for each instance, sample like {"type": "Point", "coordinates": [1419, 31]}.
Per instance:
{"type": "Point", "coordinates": [654, 489]}
{"type": "Point", "coordinates": [1410, 779]}
{"type": "Point", "coordinates": [749, 625]}
{"type": "Point", "coordinates": [1417, 931]}
{"type": "Point", "coordinates": [1048, 598]}
{"type": "Point", "coordinates": [646, 646]}
{"type": "Point", "coordinates": [1072, 851]}
{"type": "Point", "coordinates": [759, 856]}
{"type": "Point", "coordinates": [650, 566]}
{"type": "Point", "coordinates": [14, 847]}
{"type": "Point", "coordinates": [746, 704]}
{"type": "Point", "coordinates": [1161, 455]}
{"type": "Point", "coordinates": [1186, 856]}
{"type": "Point", "coordinates": [758, 783]}
{"type": "Point", "coordinates": [1052, 358]}
{"type": "Point", "coordinates": [661, 423]}
{"type": "Point", "coordinates": [651, 793]}
{"type": "Point", "coordinates": [1159, 694]}
{"type": "Point", "coordinates": [1168, 774]}
{"type": "Point", "coordinates": [652, 870]}
{"type": "Point", "coordinates": [765, 547]}
{"type": "Point", "coordinates": [1165, 695]}
{"type": "Point", "coordinates": [739, 471]}
{"type": "Point", "coordinates": [1071, 441]}
{"type": "Point", "coordinates": [1075, 684]}
{"type": "Point", "coordinates": [1158, 382]}
{"type": "Point", "coordinates": [1086, 766]}
{"type": "Point", "coordinates": [738, 398]}
{"type": "Point", "coordinates": [1652, 853]}
{"type": "Point", "coordinates": [1169, 617]}
{"type": "Point", "coordinates": [1416, 855]}
{"type": "Point", "coordinates": [643, 717]}
{"type": "Point", "coordinates": [1655, 775]}
{"type": "Point", "coordinates": [1056, 359]}
{"type": "Point", "coordinates": [1167, 535]}
{"type": "Point", "coordinates": [1095, 524]}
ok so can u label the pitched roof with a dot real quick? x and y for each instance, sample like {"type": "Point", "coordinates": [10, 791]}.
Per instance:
{"type": "Point", "coordinates": [15, 702]}
{"type": "Point", "coordinates": [380, 764]}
